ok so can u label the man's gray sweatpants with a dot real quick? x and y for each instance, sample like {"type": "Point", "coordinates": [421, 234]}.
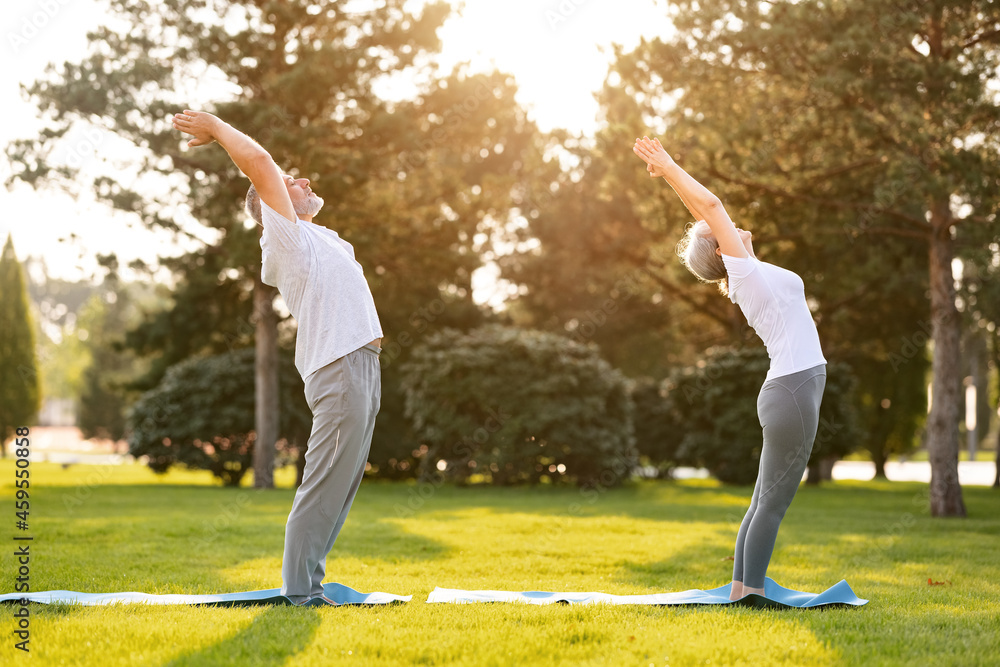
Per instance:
{"type": "Point", "coordinates": [788, 408]}
{"type": "Point", "coordinates": [344, 397]}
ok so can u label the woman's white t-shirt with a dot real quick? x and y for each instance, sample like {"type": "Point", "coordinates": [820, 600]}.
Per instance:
{"type": "Point", "coordinates": [323, 286]}
{"type": "Point", "coordinates": [773, 300]}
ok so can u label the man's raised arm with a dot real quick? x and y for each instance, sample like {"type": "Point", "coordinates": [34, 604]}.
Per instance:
{"type": "Point", "coordinates": [249, 156]}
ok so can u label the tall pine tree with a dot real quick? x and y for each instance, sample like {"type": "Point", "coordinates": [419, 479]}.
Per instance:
{"type": "Point", "coordinates": [19, 390]}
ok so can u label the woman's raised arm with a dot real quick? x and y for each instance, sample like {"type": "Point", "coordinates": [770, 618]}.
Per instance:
{"type": "Point", "coordinates": [696, 197]}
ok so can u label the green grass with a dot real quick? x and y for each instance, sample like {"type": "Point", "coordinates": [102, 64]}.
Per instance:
{"type": "Point", "coordinates": [982, 455]}
{"type": "Point", "coordinates": [120, 528]}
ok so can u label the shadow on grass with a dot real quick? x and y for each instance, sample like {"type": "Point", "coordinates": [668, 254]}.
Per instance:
{"type": "Point", "coordinates": [654, 501]}
{"type": "Point", "coordinates": [274, 636]}
{"type": "Point", "coordinates": [184, 539]}
{"type": "Point", "coordinates": [823, 534]}
{"type": "Point", "coordinates": [705, 565]}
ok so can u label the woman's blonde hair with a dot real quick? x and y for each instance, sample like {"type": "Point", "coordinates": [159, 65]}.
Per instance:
{"type": "Point", "coordinates": [697, 253]}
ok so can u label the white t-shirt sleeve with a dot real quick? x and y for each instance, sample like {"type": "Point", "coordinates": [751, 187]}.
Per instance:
{"type": "Point", "coordinates": [280, 240]}
{"type": "Point", "coordinates": [740, 270]}
{"type": "Point", "coordinates": [281, 233]}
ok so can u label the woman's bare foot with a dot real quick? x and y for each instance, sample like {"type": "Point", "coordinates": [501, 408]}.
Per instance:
{"type": "Point", "coordinates": [740, 591]}
{"type": "Point", "coordinates": [737, 591]}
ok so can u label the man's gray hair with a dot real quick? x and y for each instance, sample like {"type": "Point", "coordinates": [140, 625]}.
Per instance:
{"type": "Point", "coordinates": [252, 205]}
{"type": "Point", "coordinates": [697, 253]}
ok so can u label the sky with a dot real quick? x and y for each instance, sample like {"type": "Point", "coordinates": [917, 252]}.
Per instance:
{"type": "Point", "coordinates": [558, 50]}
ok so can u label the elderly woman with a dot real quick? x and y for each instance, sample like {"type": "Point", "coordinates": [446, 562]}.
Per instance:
{"type": "Point", "coordinates": [773, 301]}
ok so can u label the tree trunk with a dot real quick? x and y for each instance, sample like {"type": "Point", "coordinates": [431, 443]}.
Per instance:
{"type": "Point", "coordinates": [265, 385]}
{"type": "Point", "coordinates": [996, 464]}
{"type": "Point", "coordinates": [942, 423]}
{"type": "Point", "coordinates": [996, 367]}
{"type": "Point", "coordinates": [300, 466]}
{"type": "Point", "coordinates": [814, 476]}
{"type": "Point", "coordinates": [879, 461]}
{"type": "Point", "coordinates": [821, 470]}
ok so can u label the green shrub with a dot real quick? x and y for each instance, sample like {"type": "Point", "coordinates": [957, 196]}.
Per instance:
{"type": "Point", "coordinates": [656, 439]}
{"type": "Point", "coordinates": [508, 406]}
{"type": "Point", "coordinates": [202, 415]}
{"type": "Point", "coordinates": [394, 453]}
{"type": "Point", "coordinates": [712, 408]}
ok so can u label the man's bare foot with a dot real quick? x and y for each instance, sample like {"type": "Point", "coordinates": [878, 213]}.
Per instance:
{"type": "Point", "coordinates": [319, 601]}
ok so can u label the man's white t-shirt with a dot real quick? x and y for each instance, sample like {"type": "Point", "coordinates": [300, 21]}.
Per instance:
{"type": "Point", "coordinates": [773, 300]}
{"type": "Point", "coordinates": [323, 286]}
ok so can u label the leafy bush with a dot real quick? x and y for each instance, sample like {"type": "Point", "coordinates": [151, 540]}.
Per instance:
{"type": "Point", "coordinates": [712, 407]}
{"type": "Point", "coordinates": [394, 453]}
{"type": "Point", "coordinates": [510, 406]}
{"type": "Point", "coordinates": [202, 415]}
{"type": "Point", "coordinates": [655, 437]}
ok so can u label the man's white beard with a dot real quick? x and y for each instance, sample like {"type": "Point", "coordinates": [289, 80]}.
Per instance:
{"type": "Point", "coordinates": [310, 206]}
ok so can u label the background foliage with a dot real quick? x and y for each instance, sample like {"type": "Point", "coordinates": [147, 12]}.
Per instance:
{"type": "Point", "coordinates": [19, 385]}
{"type": "Point", "coordinates": [711, 414]}
{"type": "Point", "coordinates": [512, 405]}
{"type": "Point", "coordinates": [201, 415]}
{"type": "Point", "coordinates": [858, 140]}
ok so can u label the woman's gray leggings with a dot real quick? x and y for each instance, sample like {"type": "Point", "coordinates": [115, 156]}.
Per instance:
{"type": "Point", "coordinates": [788, 408]}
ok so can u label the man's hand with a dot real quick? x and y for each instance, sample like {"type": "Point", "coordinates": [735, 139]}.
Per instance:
{"type": "Point", "coordinates": [202, 126]}
{"type": "Point", "coordinates": [248, 156]}
{"type": "Point", "coordinates": [656, 158]}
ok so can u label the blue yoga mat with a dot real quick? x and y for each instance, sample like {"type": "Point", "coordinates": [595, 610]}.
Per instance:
{"type": "Point", "coordinates": [272, 596]}
{"type": "Point", "coordinates": [775, 596]}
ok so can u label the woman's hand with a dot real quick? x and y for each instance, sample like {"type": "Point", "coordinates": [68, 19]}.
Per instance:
{"type": "Point", "coordinates": [656, 158]}
{"type": "Point", "coordinates": [198, 124]}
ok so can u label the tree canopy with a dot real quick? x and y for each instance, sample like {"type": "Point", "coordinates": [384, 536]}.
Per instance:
{"type": "Point", "coordinates": [857, 140]}
{"type": "Point", "coordinates": [418, 185]}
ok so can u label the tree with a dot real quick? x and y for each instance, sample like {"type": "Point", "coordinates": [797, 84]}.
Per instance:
{"type": "Point", "coordinates": [414, 184]}
{"type": "Point", "coordinates": [880, 119]}
{"type": "Point", "coordinates": [601, 262]}
{"type": "Point", "coordinates": [603, 267]}
{"type": "Point", "coordinates": [19, 391]}
{"type": "Point", "coordinates": [894, 402]}
{"type": "Point", "coordinates": [597, 259]}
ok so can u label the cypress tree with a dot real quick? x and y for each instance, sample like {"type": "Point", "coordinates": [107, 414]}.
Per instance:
{"type": "Point", "coordinates": [19, 391]}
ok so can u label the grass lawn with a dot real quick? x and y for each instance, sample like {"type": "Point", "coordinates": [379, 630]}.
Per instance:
{"type": "Point", "coordinates": [120, 528]}
{"type": "Point", "coordinates": [982, 455]}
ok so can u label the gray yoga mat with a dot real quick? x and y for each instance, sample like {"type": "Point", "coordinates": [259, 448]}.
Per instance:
{"type": "Point", "coordinates": [272, 596]}
{"type": "Point", "coordinates": [775, 596]}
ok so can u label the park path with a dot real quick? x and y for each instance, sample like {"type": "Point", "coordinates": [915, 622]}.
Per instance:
{"type": "Point", "coordinates": [65, 445]}
{"type": "Point", "coordinates": [970, 473]}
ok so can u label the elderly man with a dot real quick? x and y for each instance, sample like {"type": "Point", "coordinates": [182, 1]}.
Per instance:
{"type": "Point", "coordinates": [336, 348]}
